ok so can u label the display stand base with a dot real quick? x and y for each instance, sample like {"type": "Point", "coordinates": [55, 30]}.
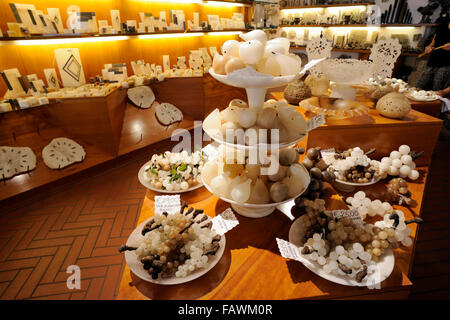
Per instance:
{"type": "Point", "coordinates": [253, 212]}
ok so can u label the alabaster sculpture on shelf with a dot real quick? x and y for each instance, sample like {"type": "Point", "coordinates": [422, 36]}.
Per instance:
{"type": "Point", "coordinates": [16, 160]}
{"type": "Point", "coordinates": [62, 152]}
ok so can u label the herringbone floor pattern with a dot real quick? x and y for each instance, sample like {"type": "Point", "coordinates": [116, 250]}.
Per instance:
{"type": "Point", "coordinates": [84, 220]}
{"type": "Point", "coordinates": [81, 222]}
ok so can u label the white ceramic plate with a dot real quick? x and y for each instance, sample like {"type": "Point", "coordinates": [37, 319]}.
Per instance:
{"type": "Point", "coordinates": [259, 146]}
{"type": "Point", "coordinates": [422, 99]}
{"type": "Point", "coordinates": [145, 183]}
{"type": "Point", "coordinates": [138, 268]}
{"type": "Point", "coordinates": [356, 184]}
{"type": "Point", "coordinates": [383, 270]}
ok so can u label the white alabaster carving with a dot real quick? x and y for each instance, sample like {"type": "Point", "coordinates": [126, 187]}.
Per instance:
{"type": "Point", "coordinates": [383, 55]}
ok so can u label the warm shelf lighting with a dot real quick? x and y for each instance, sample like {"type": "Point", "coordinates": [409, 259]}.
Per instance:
{"type": "Point", "coordinates": [171, 35]}
{"type": "Point", "coordinates": [223, 33]}
{"type": "Point", "coordinates": [331, 9]}
{"type": "Point", "coordinates": [178, 1]}
{"type": "Point", "coordinates": [62, 41]}
{"type": "Point", "coordinates": [222, 4]}
{"type": "Point", "coordinates": [401, 28]}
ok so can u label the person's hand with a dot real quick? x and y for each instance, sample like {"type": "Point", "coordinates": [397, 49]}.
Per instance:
{"type": "Point", "coordinates": [428, 49]}
{"type": "Point", "coordinates": [443, 92]}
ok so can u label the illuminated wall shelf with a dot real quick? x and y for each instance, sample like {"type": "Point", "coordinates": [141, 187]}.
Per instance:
{"type": "Point", "coordinates": [357, 25]}
{"type": "Point", "coordinates": [330, 5]}
{"type": "Point", "coordinates": [123, 36]}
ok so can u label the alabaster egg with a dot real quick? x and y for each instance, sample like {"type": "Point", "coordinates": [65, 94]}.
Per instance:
{"type": "Point", "coordinates": [234, 64]}
{"type": "Point", "coordinates": [251, 51]}
{"type": "Point", "coordinates": [255, 35]}
{"type": "Point", "coordinates": [269, 65]}
{"type": "Point", "coordinates": [219, 63]}
{"type": "Point", "coordinates": [394, 105]}
{"type": "Point", "coordinates": [231, 48]}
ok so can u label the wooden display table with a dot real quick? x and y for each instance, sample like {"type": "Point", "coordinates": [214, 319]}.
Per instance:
{"type": "Point", "coordinates": [252, 267]}
{"type": "Point", "coordinates": [431, 108]}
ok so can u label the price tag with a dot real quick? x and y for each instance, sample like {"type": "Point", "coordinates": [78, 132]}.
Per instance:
{"type": "Point", "coordinates": [327, 152]}
{"type": "Point", "coordinates": [224, 222]}
{"type": "Point", "coordinates": [351, 214]}
{"type": "Point", "coordinates": [288, 250]}
{"type": "Point", "coordinates": [169, 204]}
{"type": "Point", "coordinates": [315, 122]}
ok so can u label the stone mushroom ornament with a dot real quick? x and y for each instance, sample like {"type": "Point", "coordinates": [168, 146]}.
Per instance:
{"type": "Point", "coordinates": [142, 96]}
{"type": "Point", "coordinates": [167, 114]}
{"type": "Point", "coordinates": [62, 152]}
{"type": "Point", "coordinates": [393, 105]}
{"type": "Point", "coordinates": [14, 161]}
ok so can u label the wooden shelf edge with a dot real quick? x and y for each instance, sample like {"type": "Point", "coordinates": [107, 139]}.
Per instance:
{"type": "Point", "coordinates": [330, 5]}
{"type": "Point", "coordinates": [325, 25]}
{"type": "Point", "coordinates": [94, 36]}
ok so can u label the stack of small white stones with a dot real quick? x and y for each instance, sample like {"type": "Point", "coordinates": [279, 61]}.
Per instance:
{"type": "Point", "coordinates": [366, 207]}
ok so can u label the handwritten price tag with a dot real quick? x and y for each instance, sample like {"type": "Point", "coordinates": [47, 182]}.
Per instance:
{"type": "Point", "coordinates": [169, 204]}
{"type": "Point", "coordinates": [224, 222]}
{"type": "Point", "coordinates": [351, 214]}
{"type": "Point", "coordinates": [288, 250]}
{"type": "Point", "coordinates": [315, 122]}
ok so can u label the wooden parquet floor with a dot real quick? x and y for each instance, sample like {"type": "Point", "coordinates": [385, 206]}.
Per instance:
{"type": "Point", "coordinates": [83, 220]}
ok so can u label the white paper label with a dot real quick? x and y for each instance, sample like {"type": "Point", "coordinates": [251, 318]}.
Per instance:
{"type": "Point", "coordinates": [169, 204]}
{"type": "Point", "coordinates": [288, 250]}
{"type": "Point", "coordinates": [315, 122]}
{"type": "Point", "coordinates": [351, 214]}
{"type": "Point", "coordinates": [224, 222]}
{"type": "Point", "coordinates": [327, 152]}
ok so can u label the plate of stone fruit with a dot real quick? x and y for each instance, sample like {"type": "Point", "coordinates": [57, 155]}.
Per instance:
{"type": "Point", "coordinates": [174, 248]}
{"type": "Point", "coordinates": [173, 172]}
{"type": "Point", "coordinates": [353, 167]}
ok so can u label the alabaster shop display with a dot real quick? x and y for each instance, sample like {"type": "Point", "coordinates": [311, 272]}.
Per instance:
{"type": "Point", "coordinates": [345, 72]}
{"type": "Point", "coordinates": [337, 248]}
{"type": "Point", "coordinates": [334, 109]}
{"type": "Point", "coordinates": [174, 248]}
{"type": "Point", "coordinates": [62, 152]}
{"type": "Point", "coordinates": [393, 105]}
{"type": "Point", "coordinates": [241, 126]}
{"type": "Point", "coordinates": [173, 172]}
{"type": "Point", "coordinates": [257, 64]}
{"type": "Point", "coordinates": [16, 160]}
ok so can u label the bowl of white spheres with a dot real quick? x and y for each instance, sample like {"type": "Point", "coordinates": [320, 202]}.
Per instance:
{"type": "Point", "coordinates": [242, 127]}
{"type": "Point", "coordinates": [250, 192]}
{"type": "Point", "coordinates": [256, 64]}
